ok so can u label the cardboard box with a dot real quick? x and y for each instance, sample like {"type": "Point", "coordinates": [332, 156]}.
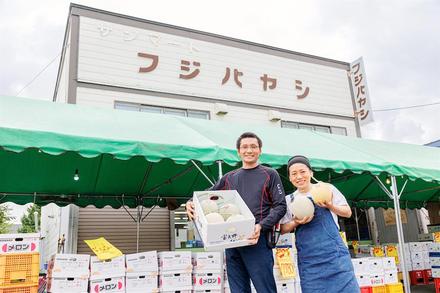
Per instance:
{"type": "Point", "coordinates": [377, 279]}
{"type": "Point", "coordinates": [389, 264]}
{"type": "Point", "coordinates": [434, 247]}
{"type": "Point", "coordinates": [217, 236]}
{"type": "Point", "coordinates": [141, 282]}
{"type": "Point", "coordinates": [286, 287]}
{"type": "Point", "coordinates": [391, 277]}
{"type": "Point", "coordinates": [69, 265]}
{"type": "Point", "coordinates": [142, 262]}
{"type": "Point", "coordinates": [208, 291]}
{"type": "Point", "coordinates": [114, 267]}
{"type": "Point", "coordinates": [435, 272]}
{"type": "Point", "coordinates": [363, 280]}
{"type": "Point", "coordinates": [361, 265]}
{"type": "Point", "coordinates": [434, 261]}
{"type": "Point", "coordinates": [175, 281]}
{"type": "Point", "coordinates": [19, 243]}
{"type": "Point", "coordinates": [376, 266]}
{"type": "Point", "coordinates": [417, 246]}
{"type": "Point", "coordinates": [426, 237]}
{"type": "Point", "coordinates": [211, 261]}
{"type": "Point", "coordinates": [206, 281]}
{"type": "Point", "coordinates": [418, 266]}
{"type": "Point", "coordinates": [175, 261]}
{"type": "Point", "coordinates": [67, 285]}
{"type": "Point", "coordinates": [108, 285]}
{"type": "Point", "coordinates": [433, 228]}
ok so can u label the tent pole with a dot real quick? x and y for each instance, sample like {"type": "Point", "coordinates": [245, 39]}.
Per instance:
{"type": "Point", "coordinates": [220, 170]}
{"type": "Point", "coordinates": [357, 223]}
{"type": "Point", "coordinates": [400, 233]}
{"type": "Point", "coordinates": [138, 220]}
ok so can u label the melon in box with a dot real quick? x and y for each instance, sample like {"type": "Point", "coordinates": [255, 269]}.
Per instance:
{"type": "Point", "coordinates": [67, 285]}
{"type": "Point", "coordinates": [141, 282]}
{"type": "Point", "coordinates": [211, 210]}
{"type": "Point", "coordinates": [108, 268]}
{"type": "Point", "coordinates": [69, 265]}
{"type": "Point", "coordinates": [19, 243]}
{"type": "Point", "coordinates": [142, 262]}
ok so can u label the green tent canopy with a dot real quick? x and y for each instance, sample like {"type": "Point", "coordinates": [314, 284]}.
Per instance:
{"type": "Point", "coordinates": [133, 158]}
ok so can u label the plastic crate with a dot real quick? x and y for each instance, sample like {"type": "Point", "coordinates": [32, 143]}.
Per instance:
{"type": "Point", "coordinates": [19, 269]}
{"type": "Point", "coordinates": [379, 289]}
{"type": "Point", "coordinates": [366, 289]}
{"type": "Point", "coordinates": [417, 277]}
{"type": "Point", "coordinates": [20, 289]}
{"type": "Point", "coordinates": [437, 285]}
{"type": "Point", "coordinates": [394, 288]}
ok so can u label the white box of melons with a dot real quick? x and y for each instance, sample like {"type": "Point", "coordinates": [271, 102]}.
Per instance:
{"type": "Point", "coordinates": [222, 218]}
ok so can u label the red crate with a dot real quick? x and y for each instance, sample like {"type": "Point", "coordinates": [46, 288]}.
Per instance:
{"type": "Point", "coordinates": [366, 290]}
{"type": "Point", "coordinates": [437, 285]}
{"type": "Point", "coordinates": [417, 277]}
{"type": "Point", "coordinates": [427, 274]}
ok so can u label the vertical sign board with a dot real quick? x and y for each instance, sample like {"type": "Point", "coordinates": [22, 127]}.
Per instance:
{"type": "Point", "coordinates": [362, 99]}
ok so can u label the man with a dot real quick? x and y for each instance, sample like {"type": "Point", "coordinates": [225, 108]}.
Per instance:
{"type": "Point", "coordinates": [262, 191]}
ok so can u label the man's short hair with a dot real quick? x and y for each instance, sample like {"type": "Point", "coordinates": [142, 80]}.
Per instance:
{"type": "Point", "coordinates": [249, 135]}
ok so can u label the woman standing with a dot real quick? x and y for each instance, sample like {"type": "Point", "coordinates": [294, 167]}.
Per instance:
{"type": "Point", "coordinates": [323, 259]}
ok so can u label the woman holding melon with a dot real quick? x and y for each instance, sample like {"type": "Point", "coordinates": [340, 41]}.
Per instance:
{"type": "Point", "coordinates": [323, 259]}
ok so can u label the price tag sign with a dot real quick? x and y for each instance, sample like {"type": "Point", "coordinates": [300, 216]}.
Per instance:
{"type": "Point", "coordinates": [103, 249]}
{"type": "Point", "coordinates": [284, 261]}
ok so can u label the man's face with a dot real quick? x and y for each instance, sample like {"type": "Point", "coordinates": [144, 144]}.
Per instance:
{"type": "Point", "coordinates": [249, 150]}
{"type": "Point", "coordinates": [300, 175]}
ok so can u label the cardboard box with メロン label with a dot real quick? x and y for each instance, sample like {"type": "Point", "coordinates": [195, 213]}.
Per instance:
{"type": "Point", "coordinates": [222, 218]}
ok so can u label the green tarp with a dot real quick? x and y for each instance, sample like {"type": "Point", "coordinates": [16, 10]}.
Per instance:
{"type": "Point", "coordinates": [136, 158]}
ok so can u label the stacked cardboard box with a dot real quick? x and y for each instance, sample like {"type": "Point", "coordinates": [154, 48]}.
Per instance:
{"type": "Point", "coordinates": [434, 259]}
{"type": "Point", "coordinates": [175, 271]}
{"type": "Point", "coordinates": [375, 271]}
{"type": "Point", "coordinates": [107, 276]}
{"type": "Point", "coordinates": [68, 273]}
{"type": "Point", "coordinates": [207, 271]}
{"type": "Point", "coordinates": [142, 272]}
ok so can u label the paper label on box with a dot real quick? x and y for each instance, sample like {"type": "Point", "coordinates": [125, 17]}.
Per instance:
{"type": "Point", "coordinates": [110, 285]}
{"type": "Point", "coordinates": [207, 280]}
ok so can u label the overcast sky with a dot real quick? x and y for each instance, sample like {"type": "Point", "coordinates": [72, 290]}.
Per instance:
{"type": "Point", "coordinates": [399, 41]}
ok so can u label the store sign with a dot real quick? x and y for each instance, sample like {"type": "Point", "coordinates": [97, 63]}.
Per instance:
{"type": "Point", "coordinates": [358, 77]}
{"type": "Point", "coordinates": [131, 57]}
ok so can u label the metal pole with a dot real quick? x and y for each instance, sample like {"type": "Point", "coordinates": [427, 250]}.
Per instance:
{"type": "Point", "coordinates": [357, 223]}
{"type": "Point", "coordinates": [220, 170]}
{"type": "Point", "coordinates": [138, 221]}
{"type": "Point", "coordinates": [400, 233]}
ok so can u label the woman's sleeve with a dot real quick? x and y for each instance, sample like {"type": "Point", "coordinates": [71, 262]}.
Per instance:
{"type": "Point", "coordinates": [338, 197]}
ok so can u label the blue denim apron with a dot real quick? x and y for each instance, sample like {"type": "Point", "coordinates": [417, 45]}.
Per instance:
{"type": "Point", "coordinates": [323, 259]}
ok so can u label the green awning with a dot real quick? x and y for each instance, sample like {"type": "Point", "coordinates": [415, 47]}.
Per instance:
{"type": "Point", "coordinates": [136, 158]}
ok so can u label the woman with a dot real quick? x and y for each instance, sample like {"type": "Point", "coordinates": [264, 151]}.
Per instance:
{"type": "Point", "coordinates": [323, 259]}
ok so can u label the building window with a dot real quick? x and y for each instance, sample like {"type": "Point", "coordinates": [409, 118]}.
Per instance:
{"type": "Point", "coordinates": [313, 127]}
{"type": "Point", "coordinates": [161, 110]}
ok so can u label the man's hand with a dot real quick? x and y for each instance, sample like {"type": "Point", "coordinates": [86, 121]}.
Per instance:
{"type": "Point", "coordinates": [256, 235]}
{"type": "Point", "coordinates": [303, 221]}
{"type": "Point", "coordinates": [190, 210]}
{"type": "Point", "coordinates": [326, 204]}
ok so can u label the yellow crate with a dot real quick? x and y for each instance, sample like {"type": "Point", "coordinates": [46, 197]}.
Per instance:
{"type": "Point", "coordinates": [379, 289]}
{"type": "Point", "coordinates": [19, 269]}
{"type": "Point", "coordinates": [20, 289]}
{"type": "Point", "coordinates": [394, 288]}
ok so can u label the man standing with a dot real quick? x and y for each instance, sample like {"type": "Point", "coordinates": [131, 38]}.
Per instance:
{"type": "Point", "coordinates": [262, 191]}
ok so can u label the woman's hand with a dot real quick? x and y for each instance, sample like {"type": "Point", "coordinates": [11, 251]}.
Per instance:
{"type": "Point", "coordinates": [326, 204]}
{"type": "Point", "coordinates": [303, 221]}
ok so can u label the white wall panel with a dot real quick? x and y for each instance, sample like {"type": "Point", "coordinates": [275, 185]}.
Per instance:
{"type": "Point", "coordinates": [104, 98]}
{"type": "Point", "coordinates": [108, 55]}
